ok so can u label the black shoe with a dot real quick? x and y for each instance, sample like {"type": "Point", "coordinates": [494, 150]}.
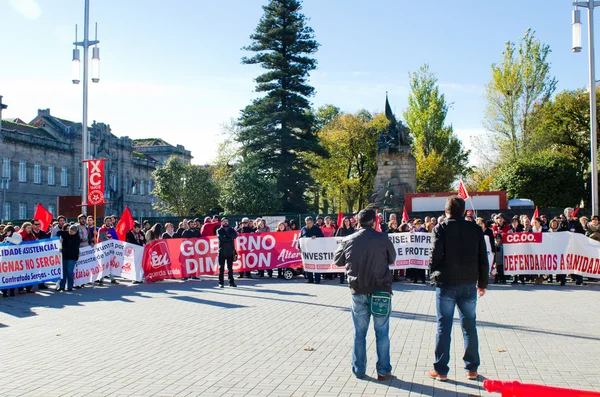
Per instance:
{"type": "Point", "coordinates": [42, 286]}
{"type": "Point", "coordinates": [221, 286]}
{"type": "Point", "coordinates": [114, 282]}
{"type": "Point", "coordinates": [232, 285]}
{"type": "Point", "coordinates": [241, 276]}
{"type": "Point", "coordinates": [5, 294]}
{"type": "Point", "coordinates": [12, 293]}
{"type": "Point", "coordinates": [69, 289]}
{"type": "Point", "coordinates": [59, 289]}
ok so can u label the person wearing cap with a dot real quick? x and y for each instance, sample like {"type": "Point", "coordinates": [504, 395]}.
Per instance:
{"type": "Point", "coordinates": [83, 231]}
{"type": "Point", "coordinates": [70, 253]}
{"type": "Point", "coordinates": [227, 252]}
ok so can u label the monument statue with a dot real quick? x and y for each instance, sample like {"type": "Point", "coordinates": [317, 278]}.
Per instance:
{"type": "Point", "coordinates": [396, 167]}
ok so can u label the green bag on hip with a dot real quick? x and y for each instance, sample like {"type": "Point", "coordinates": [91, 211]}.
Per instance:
{"type": "Point", "coordinates": [380, 303]}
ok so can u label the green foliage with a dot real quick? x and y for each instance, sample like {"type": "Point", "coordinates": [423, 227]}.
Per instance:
{"type": "Point", "coordinates": [547, 177]}
{"type": "Point", "coordinates": [248, 191]}
{"type": "Point", "coordinates": [432, 174]}
{"type": "Point", "coordinates": [277, 129]}
{"type": "Point", "coordinates": [521, 81]}
{"type": "Point", "coordinates": [347, 174]}
{"type": "Point", "coordinates": [184, 189]}
{"type": "Point", "coordinates": [433, 140]}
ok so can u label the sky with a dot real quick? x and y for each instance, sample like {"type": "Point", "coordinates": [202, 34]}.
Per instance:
{"type": "Point", "coordinates": [172, 69]}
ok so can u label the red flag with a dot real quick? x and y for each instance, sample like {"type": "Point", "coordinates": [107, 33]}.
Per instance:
{"type": "Point", "coordinates": [378, 228]}
{"type": "Point", "coordinates": [536, 213]}
{"type": "Point", "coordinates": [125, 224]}
{"type": "Point", "coordinates": [462, 190]}
{"type": "Point", "coordinates": [405, 217]}
{"type": "Point", "coordinates": [576, 211]}
{"type": "Point", "coordinates": [42, 215]}
{"type": "Point", "coordinates": [340, 220]}
{"type": "Point", "coordinates": [95, 182]}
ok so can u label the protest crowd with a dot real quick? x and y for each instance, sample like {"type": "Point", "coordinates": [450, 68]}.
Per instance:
{"type": "Point", "coordinates": [83, 233]}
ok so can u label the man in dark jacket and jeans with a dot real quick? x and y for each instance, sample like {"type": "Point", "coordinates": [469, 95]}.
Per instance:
{"type": "Point", "coordinates": [367, 255]}
{"type": "Point", "coordinates": [227, 252]}
{"type": "Point", "coordinates": [459, 267]}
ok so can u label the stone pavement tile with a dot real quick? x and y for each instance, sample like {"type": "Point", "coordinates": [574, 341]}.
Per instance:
{"type": "Point", "coordinates": [190, 339]}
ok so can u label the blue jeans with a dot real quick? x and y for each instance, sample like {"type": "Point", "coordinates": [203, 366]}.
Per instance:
{"type": "Point", "coordinates": [67, 276]}
{"type": "Point", "coordinates": [361, 316]}
{"type": "Point", "coordinates": [465, 297]}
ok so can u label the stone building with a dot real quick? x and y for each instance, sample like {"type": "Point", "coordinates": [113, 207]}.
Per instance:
{"type": "Point", "coordinates": [42, 160]}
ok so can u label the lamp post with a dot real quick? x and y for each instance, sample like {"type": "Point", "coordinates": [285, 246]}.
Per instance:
{"type": "Point", "coordinates": [86, 44]}
{"type": "Point", "coordinates": [590, 5]}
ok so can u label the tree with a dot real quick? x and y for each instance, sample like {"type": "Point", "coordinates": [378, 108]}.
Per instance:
{"type": "Point", "coordinates": [433, 140]}
{"type": "Point", "coordinates": [248, 191]}
{"type": "Point", "coordinates": [520, 82]}
{"type": "Point", "coordinates": [347, 174]}
{"type": "Point", "coordinates": [277, 129]}
{"type": "Point", "coordinates": [549, 178]}
{"type": "Point", "coordinates": [184, 189]}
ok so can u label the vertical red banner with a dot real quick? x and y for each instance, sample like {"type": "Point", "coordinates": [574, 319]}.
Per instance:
{"type": "Point", "coordinates": [95, 182]}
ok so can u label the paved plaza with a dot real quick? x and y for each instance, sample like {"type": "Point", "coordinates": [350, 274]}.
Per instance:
{"type": "Point", "coordinates": [176, 338]}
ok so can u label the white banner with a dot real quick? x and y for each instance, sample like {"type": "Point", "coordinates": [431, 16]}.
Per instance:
{"type": "Point", "coordinates": [110, 257]}
{"type": "Point", "coordinates": [551, 253]}
{"type": "Point", "coordinates": [412, 251]}
{"type": "Point", "coordinates": [30, 263]}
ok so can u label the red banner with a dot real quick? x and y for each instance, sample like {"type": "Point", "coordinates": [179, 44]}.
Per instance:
{"type": "Point", "coordinates": [179, 258]}
{"type": "Point", "coordinates": [95, 182]}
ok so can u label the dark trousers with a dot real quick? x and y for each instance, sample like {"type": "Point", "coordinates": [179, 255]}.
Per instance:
{"type": "Point", "coordinates": [229, 260]}
{"type": "Point", "coordinates": [313, 277]}
{"type": "Point", "coordinates": [500, 277]}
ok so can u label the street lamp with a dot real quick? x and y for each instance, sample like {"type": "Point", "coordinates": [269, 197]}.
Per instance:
{"type": "Point", "coordinates": [86, 44]}
{"type": "Point", "coordinates": [590, 5]}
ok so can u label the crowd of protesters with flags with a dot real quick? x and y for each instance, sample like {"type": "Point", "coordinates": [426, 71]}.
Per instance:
{"type": "Point", "coordinates": [84, 233]}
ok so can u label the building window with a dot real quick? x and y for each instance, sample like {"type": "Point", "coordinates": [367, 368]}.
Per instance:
{"type": "Point", "coordinates": [37, 173]}
{"type": "Point", "coordinates": [22, 210]}
{"type": "Point", "coordinates": [51, 209]}
{"type": "Point", "coordinates": [142, 187]}
{"type": "Point", "coordinates": [115, 182]}
{"type": "Point", "coordinates": [51, 180]}
{"type": "Point", "coordinates": [133, 214]}
{"type": "Point", "coordinates": [22, 171]}
{"type": "Point", "coordinates": [150, 186]}
{"type": "Point", "coordinates": [64, 177]}
{"type": "Point", "coordinates": [143, 214]}
{"type": "Point", "coordinates": [6, 168]}
{"type": "Point", "coordinates": [7, 211]}
{"type": "Point", "coordinates": [79, 178]}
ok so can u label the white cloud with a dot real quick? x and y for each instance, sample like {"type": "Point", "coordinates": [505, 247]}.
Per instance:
{"type": "Point", "coordinates": [28, 8]}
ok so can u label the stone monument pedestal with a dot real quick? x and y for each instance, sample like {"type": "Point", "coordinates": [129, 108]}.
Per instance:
{"type": "Point", "coordinates": [396, 176]}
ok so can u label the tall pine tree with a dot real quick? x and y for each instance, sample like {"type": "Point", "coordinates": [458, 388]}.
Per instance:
{"type": "Point", "coordinates": [277, 129]}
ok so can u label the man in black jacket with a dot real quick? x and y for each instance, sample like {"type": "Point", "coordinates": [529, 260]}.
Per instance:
{"type": "Point", "coordinates": [459, 266]}
{"type": "Point", "coordinates": [570, 224]}
{"type": "Point", "coordinates": [311, 231]}
{"type": "Point", "coordinates": [70, 253]}
{"type": "Point", "coordinates": [227, 252]}
{"type": "Point", "coordinates": [367, 255]}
